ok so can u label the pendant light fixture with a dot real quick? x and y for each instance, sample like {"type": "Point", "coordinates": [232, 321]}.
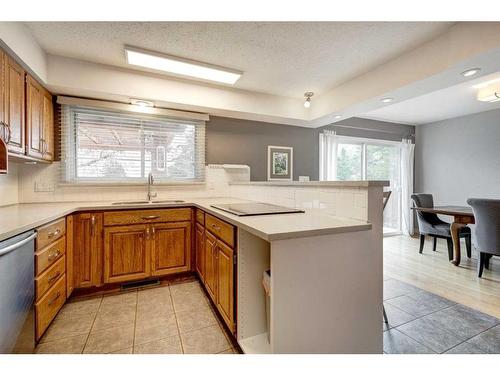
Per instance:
{"type": "Point", "coordinates": [308, 96]}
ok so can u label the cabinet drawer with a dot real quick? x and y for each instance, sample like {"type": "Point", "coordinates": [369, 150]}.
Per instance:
{"type": "Point", "coordinates": [50, 232]}
{"type": "Point", "coordinates": [200, 216]}
{"type": "Point", "coordinates": [48, 256]}
{"type": "Point", "coordinates": [220, 228]}
{"type": "Point", "coordinates": [47, 308]}
{"type": "Point", "coordinates": [49, 277]}
{"type": "Point", "coordinates": [147, 216]}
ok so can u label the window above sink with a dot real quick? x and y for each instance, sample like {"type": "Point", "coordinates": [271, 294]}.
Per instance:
{"type": "Point", "coordinates": [102, 146]}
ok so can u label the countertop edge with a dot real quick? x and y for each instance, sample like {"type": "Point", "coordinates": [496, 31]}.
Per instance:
{"type": "Point", "coordinates": [215, 212]}
{"type": "Point", "coordinates": [370, 183]}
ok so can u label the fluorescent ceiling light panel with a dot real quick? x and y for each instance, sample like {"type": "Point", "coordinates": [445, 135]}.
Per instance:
{"type": "Point", "coordinates": [489, 94]}
{"type": "Point", "coordinates": [179, 66]}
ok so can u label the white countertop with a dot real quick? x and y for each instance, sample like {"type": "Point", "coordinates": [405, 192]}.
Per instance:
{"type": "Point", "coordinates": [19, 218]}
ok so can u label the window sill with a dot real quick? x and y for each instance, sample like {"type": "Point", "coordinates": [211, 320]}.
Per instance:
{"type": "Point", "coordinates": [119, 184]}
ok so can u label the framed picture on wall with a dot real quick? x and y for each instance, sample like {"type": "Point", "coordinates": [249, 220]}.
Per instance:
{"type": "Point", "coordinates": [279, 163]}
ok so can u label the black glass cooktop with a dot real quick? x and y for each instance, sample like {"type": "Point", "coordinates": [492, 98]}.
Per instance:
{"type": "Point", "coordinates": [252, 209]}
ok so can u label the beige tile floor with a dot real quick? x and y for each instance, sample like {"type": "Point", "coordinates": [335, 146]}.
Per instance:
{"type": "Point", "coordinates": [172, 319]}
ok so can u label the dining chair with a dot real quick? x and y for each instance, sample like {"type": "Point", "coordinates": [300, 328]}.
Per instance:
{"type": "Point", "coordinates": [430, 224]}
{"type": "Point", "coordinates": [487, 230]}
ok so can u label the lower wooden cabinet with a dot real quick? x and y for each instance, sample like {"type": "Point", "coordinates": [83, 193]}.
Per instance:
{"type": "Point", "coordinates": [200, 250]}
{"type": "Point", "coordinates": [171, 248]}
{"type": "Point", "coordinates": [211, 264]}
{"type": "Point", "coordinates": [49, 305]}
{"type": "Point", "coordinates": [215, 266]}
{"type": "Point", "coordinates": [127, 254]}
{"type": "Point", "coordinates": [87, 249]}
{"type": "Point", "coordinates": [225, 282]}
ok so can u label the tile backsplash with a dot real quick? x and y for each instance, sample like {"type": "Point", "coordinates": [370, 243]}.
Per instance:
{"type": "Point", "coordinates": [40, 183]}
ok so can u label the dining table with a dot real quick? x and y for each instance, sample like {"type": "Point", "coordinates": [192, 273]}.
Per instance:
{"type": "Point", "coordinates": [462, 215]}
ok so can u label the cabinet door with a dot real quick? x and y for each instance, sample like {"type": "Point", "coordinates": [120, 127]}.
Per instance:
{"type": "Point", "coordinates": [87, 250]}
{"type": "Point", "coordinates": [171, 248]}
{"type": "Point", "coordinates": [210, 264]}
{"type": "Point", "coordinates": [127, 253]}
{"type": "Point", "coordinates": [70, 280]}
{"type": "Point", "coordinates": [34, 118]}
{"type": "Point", "coordinates": [200, 251]}
{"type": "Point", "coordinates": [225, 283]}
{"type": "Point", "coordinates": [47, 126]}
{"type": "Point", "coordinates": [14, 105]}
{"type": "Point", "coordinates": [3, 133]}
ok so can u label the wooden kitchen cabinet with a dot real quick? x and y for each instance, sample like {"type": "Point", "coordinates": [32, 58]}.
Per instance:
{"type": "Point", "coordinates": [12, 109]}
{"type": "Point", "coordinates": [127, 253]}
{"type": "Point", "coordinates": [171, 248]}
{"type": "Point", "coordinates": [200, 250]}
{"type": "Point", "coordinates": [47, 126]}
{"type": "Point", "coordinates": [225, 283]}
{"type": "Point", "coordinates": [87, 250]}
{"type": "Point", "coordinates": [210, 264]}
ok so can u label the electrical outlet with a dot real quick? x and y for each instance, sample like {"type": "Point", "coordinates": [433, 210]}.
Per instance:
{"type": "Point", "coordinates": [41, 186]}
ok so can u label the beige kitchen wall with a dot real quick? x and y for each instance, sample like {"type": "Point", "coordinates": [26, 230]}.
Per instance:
{"type": "Point", "coordinates": [9, 192]}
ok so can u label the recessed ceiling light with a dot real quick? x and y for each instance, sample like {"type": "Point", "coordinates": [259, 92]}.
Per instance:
{"type": "Point", "coordinates": [489, 94]}
{"type": "Point", "coordinates": [180, 66]}
{"type": "Point", "coordinates": [336, 117]}
{"type": "Point", "coordinates": [386, 100]}
{"type": "Point", "coordinates": [471, 72]}
{"type": "Point", "coordinates": [142, 103]}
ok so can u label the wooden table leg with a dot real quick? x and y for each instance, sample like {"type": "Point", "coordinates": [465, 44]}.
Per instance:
{"type": "Point", "coordinates": [455, 236]}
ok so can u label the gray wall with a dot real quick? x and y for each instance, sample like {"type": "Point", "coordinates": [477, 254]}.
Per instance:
{"type": "Point", "coordinates": [237, 141]}
{"type": "Point", "coordinates": [459, 158]}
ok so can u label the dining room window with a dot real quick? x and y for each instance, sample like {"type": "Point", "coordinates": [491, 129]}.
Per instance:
{"type": "Point", "coordinates": [366, 159]}
{"type": "Point", "coordinates": [107, 146]}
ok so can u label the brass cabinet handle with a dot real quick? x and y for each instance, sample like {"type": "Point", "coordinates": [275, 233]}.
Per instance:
{"type": "Point", "coordinates": [92, 225]}
{"type": "Point", "coordinates": [54, 233]}
{"type": "Point", "coordinates": [216, 227]}
{"type": "Point", "coordinates": [55, 298]}
{"type": "Point", "coordinates": [55, 277]}
{"type": "Point", "coordinates": [153, 232]}
{"type": "Point", "coordinates": [54, 255]}
{"type": "Point", "coordinates": [147, 233]}
{"type": "Point", "coordinates": [150, 217]}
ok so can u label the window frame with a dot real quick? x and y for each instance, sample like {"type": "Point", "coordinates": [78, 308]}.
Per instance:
{"type": "Point", "coordinates": [69, 169]}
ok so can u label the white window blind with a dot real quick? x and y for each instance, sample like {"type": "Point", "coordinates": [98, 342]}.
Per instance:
{"type": "Point", "coordinates": [106, 146]}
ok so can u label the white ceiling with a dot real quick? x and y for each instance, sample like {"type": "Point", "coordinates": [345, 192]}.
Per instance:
{"type": "Point", "coordinates": [453, 101]}
{"type": "Point", "coordinates": [284, 59]}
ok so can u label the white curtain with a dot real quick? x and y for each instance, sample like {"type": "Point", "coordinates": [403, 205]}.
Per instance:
{"type": "Point", "coordinates": [407, 162]}
{"type": "Point", "coordinates": [328, 143]}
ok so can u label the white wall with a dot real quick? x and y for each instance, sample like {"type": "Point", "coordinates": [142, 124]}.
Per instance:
{"type": "Point", "coordinates": [9, 186]}
{"type": "Point", "coordinates": [459, 158]}
{"type": "Point", "coordinates": [20, 40]}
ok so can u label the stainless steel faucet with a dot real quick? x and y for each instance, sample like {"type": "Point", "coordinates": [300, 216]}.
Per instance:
{"type": "Point", "coordinates": [150, 183]}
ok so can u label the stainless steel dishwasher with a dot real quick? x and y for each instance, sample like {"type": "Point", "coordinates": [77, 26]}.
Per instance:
{"type": "Point", "coordinates": [17, 294]}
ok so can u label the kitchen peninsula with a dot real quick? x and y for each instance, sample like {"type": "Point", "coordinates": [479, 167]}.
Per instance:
{"type": "Point", "coordinates": [326, 269]}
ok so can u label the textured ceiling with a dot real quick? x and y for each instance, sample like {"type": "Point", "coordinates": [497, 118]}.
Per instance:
{"type": "Point", "coordinates": [278, 58]}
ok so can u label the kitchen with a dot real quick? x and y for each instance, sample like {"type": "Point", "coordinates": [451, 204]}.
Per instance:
{"type": "Point", "coordinates": [175, 188]}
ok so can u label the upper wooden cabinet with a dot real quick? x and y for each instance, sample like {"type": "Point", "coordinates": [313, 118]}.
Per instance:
{"type": "Point", "coordinates": [39, 121]}
{"type": "Point", "coordinates": [171, 248]}
{"type": "Point", "coordinates": [48, 140]}
{"type": "Point", "coordinates": [27, 112]}
{"type": "Point", "coordinates": [87, 250]}
{"type": "Point", "coordinates": [12, 109]}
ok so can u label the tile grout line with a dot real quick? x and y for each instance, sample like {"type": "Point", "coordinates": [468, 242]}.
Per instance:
{"type": "Point", "coordinates": [175, 316]}
{"type": "Point", "coordinates": [92, 325]}
{"type": "Point", "coordinates": [135, 320]}
{"type": "Point", "coordinates": [470, 338]}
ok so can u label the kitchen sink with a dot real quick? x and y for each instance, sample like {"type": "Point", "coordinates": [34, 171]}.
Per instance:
{"type": "Point", "coordinates": [147, 202]}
